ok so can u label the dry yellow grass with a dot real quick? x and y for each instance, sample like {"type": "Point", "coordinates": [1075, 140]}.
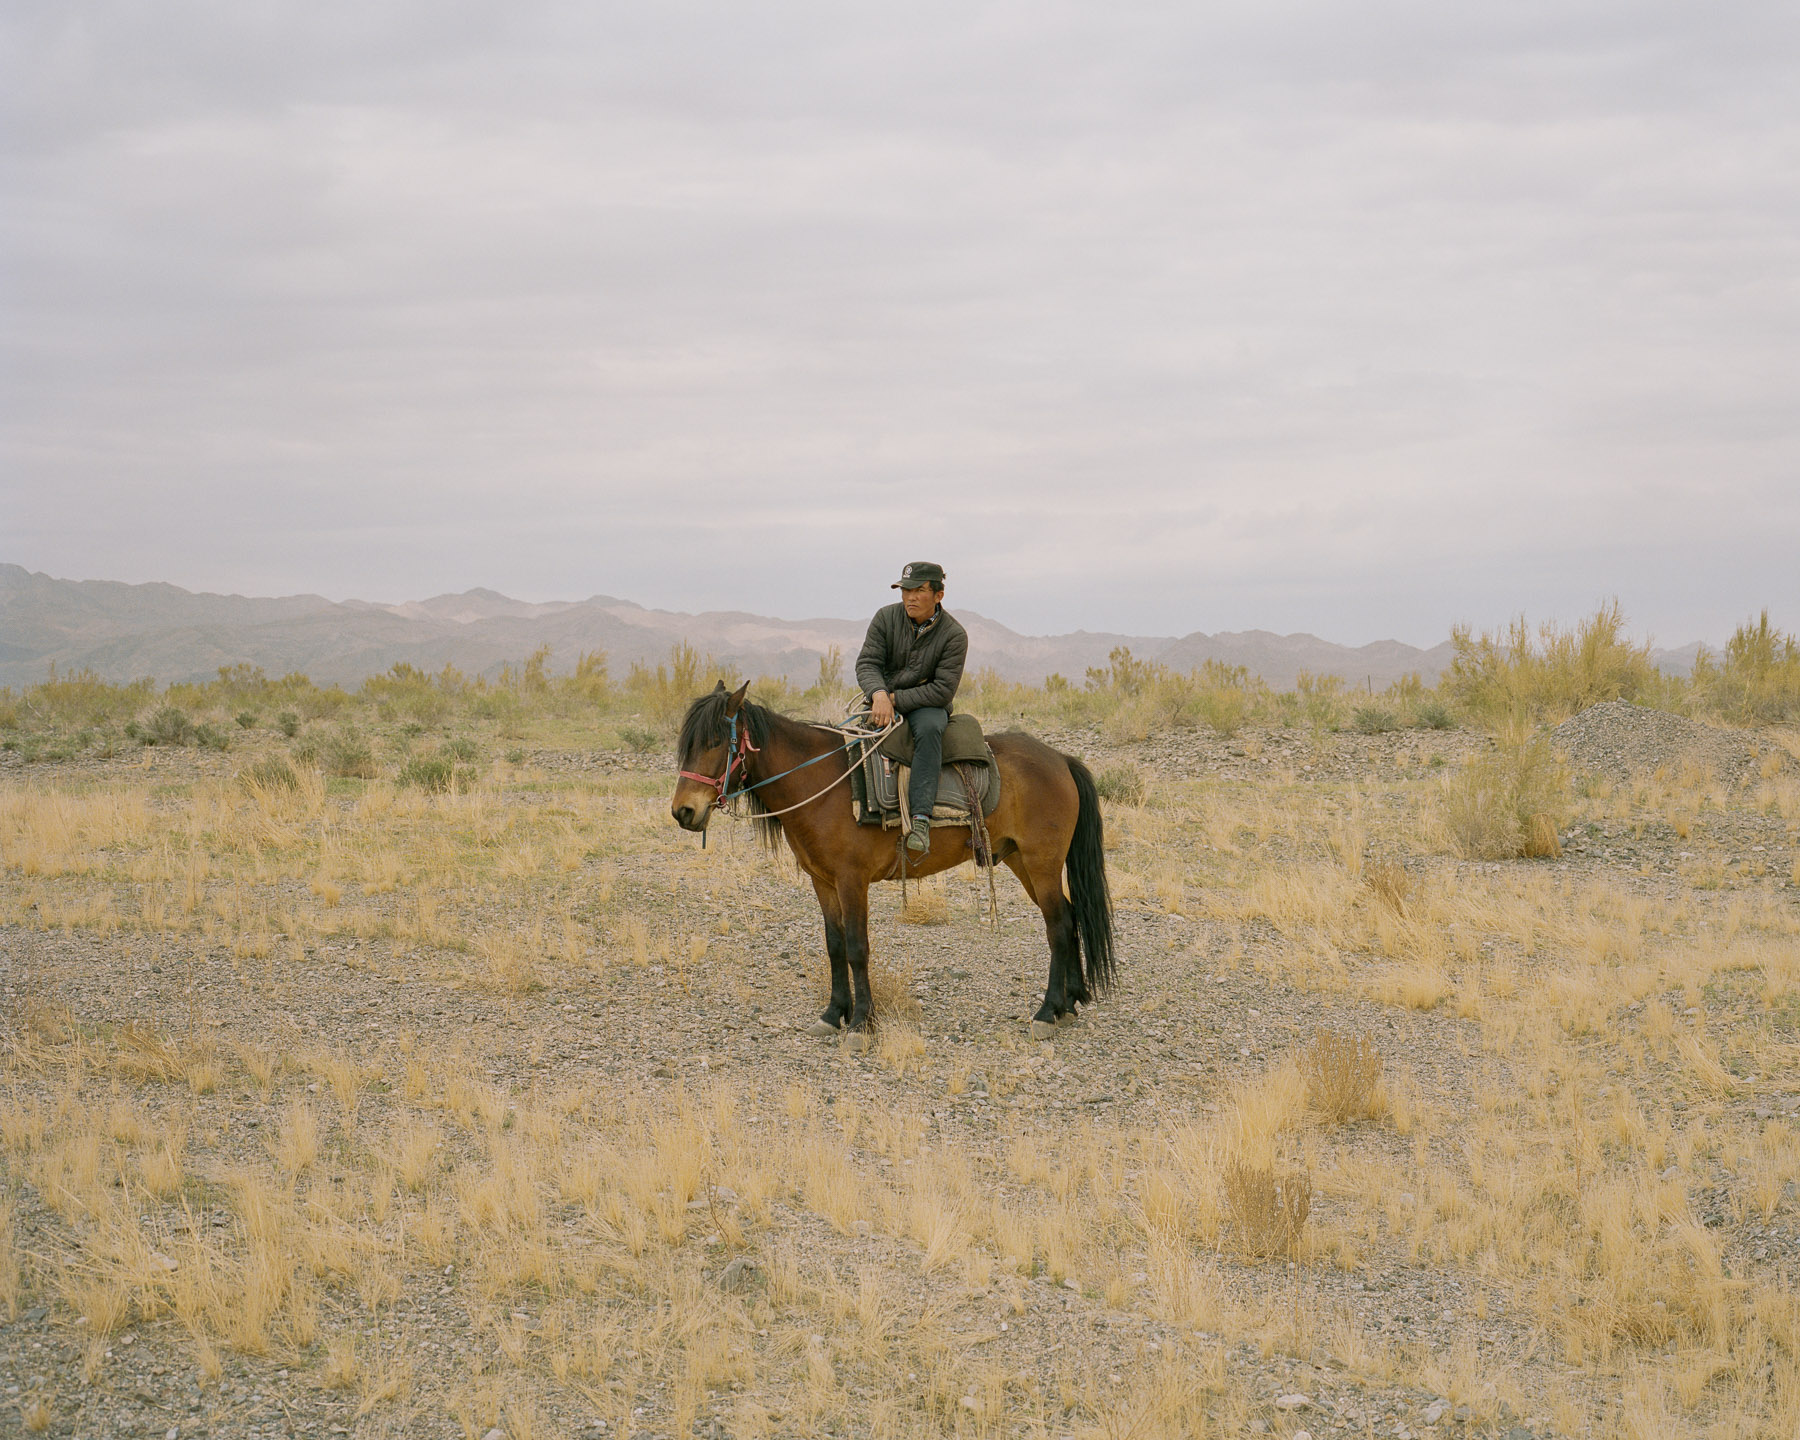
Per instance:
{"type": "Point", "coordinates": [1546, 1126]}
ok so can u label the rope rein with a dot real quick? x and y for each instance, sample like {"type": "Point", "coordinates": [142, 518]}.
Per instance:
{"type": "Point", "coordinates": [739, 749]}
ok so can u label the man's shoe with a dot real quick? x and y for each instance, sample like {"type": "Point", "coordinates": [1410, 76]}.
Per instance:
{"type": "Point", "coordinates": [919, 840]}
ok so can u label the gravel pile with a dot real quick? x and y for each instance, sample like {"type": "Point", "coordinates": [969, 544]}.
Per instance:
{"type": "Point", "coordinates": [1618, 740]}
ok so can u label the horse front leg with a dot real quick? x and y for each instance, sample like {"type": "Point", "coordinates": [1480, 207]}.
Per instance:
{"type": "Point", "coordinates": [832, 1020]}
{"type": "Point", "coordinates": [853, 902]}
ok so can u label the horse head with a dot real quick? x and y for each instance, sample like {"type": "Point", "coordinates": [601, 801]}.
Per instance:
{"type": "Point", "coordinates": [712, 754]}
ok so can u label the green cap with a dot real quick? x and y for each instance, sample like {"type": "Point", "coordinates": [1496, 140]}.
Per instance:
{"type": "Point", "coordinates": [917, 573]}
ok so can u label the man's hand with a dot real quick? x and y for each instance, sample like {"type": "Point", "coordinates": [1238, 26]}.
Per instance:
{"type": "Point", "coordinates": [881, 709]}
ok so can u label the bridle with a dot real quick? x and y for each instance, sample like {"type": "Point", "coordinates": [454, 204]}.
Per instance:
{"type": "Point", "coordinates": [738, 750]}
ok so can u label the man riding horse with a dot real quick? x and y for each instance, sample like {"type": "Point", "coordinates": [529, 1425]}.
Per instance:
{"type": "Point", "coordinates": [911, 663]}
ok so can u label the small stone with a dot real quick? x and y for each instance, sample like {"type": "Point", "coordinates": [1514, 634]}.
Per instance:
{"type": "Point", "coordinates": [495, 1434]}
{"type": "Point", "coordinates": [1434, 1412]}
{"type": "Point", "coordinates": [1519, 1432]}
{"type": "Point", "coordinates": [1070, 1284]}
{"type": "Point", "coordinates": [1301, 1435]}
{"type": "Point", "coordinates": [736, 1276]}
{"type": "Point", "coordinates": [1291, 1402]}
{"type": "Point", "coordinates": [163, 1262]}
{"type": "Point", "coordinates": [664, 1071]}
{"type": "Point", "coordinates": [969, 1402]}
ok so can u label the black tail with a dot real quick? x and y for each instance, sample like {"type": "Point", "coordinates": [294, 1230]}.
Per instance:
{"type": "Point", "coordinates": [1088, 891]}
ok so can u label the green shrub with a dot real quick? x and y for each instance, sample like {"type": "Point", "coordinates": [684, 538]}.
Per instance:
{"type": "Point", "coordinates": [461, 748]}
{"type": "Point", "coordinates": [348, 754]}
{"type": "Point", "coordinates": [439, 774]}
{"type": "Point", "coordinates": [1121, 783]}
{"type": "Point", "coordinates": [210, 739]}
{"type": "Point", "coordinates": [639, 737]}
{"type": "Point", "coordinates": [246, 720]}
{"type": "Point", "coordinates": [515, 756]}
{"type": "Point", "coordinates": [1509, 802]}
{"type": "Point", "coordinates": [1433, 715]}
{"type": "Point", "coordinates": [288, 723]}
{"type": "Point", "coordinates": [1375, 720]}
{"type": "Point", "coordinates": [1223, 708]}
{"type": "Point", "coordinates": [168, 726]}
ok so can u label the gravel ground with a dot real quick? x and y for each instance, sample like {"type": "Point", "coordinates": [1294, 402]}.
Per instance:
{"type": "Point", "coordinates": [1208, 1006]}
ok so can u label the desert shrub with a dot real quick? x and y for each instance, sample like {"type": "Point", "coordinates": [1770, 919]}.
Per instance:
{"type": "Point", "coordinates": [1756, 680]}
{"type": "Point", "coordinates": [288, 723]}
{"type": "Point", "coordinates": [170, 725]}
{"type": "Point", "coordinates": [1122, 783]}
{"type": "Point", "coordinates": [461, 748]}
{"type": "Point", "coordinates": [1432, 715]}
{"type": "Point", "coordinates": [639, 737]}
{"type": "Point", "coordinates": [665, 692]}
{"type": "Point", "coordinates": [1222, 708]}
{"type": "Point", "coordinates": [433, 773]}
{"type": "Point", "coordinates": [515, 756]}
{"type": "Point", "coordinates": [1268, 1211]}
{"type": "Point", "coordinates": [1343, 1076]}
{"type": "Point", "coordinates": [1554, 674]}
{"type": "Point", "coordinates": [314, 703]}
{"type": "Point", "coordinates": [80, 698]}
{"type": "Point", "coordinates": [1509, 802]}
{"type": "Point", "coordinates": [269, 772]}
{"type": "Point", "coordinates": [590, 681]}
{"type": "Point", "coordinates": [246, 719]}
{"type": "Point", "coordinates": [439, 774]}
{"type": "Point", "coordinates": [408, 691]}
{"type": "Point", "coordinates": [208, 738]}
{"type": "Point", "coordinates": [346, 753]}
{"type": "Point", "coordinates": [1375, 720]}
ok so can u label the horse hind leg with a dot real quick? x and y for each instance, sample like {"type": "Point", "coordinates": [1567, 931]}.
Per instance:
{"type": "Point", "coordinates": [1064, 986]}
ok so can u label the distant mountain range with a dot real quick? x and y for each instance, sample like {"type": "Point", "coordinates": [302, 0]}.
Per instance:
{"type": "Point", "coordinates": [124, 632]}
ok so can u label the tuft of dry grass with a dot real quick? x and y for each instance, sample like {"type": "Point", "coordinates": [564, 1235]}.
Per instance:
{"type": "Point", "coordinates": [1343, 1076]}
{"type": "Point", "coordinates": [1393, 887]}
{"type": "Point", "coordinates": [1267, 1209]}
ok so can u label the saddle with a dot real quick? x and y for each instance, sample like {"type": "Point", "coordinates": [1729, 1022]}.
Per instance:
{"type": "Point", "coordinates": [878, 783]}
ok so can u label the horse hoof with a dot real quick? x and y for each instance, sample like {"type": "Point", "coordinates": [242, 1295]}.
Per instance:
{"type": "Point", "coordinates": [821, 1030]}
{"type": "Point", "coordinates": [858, 1044]}
{"type": "Point", "coordinates": [1042, 1030]}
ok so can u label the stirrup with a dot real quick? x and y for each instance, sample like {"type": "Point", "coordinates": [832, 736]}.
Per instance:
{"type": "Point", "coordinates": [918, 839]}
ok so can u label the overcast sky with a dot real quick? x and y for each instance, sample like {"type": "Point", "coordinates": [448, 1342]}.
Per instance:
{"type": "Point", "coordinates": [1358, 319]}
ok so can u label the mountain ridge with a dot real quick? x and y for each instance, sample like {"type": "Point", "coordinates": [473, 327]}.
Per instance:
{"type": "Point", "coordinates": [122, 631]}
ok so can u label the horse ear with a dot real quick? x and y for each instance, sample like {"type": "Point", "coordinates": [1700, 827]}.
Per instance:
{"type": "Point", "coordinates": [719, 689]}
{"type": "Point", "coordinates": [736, 698]}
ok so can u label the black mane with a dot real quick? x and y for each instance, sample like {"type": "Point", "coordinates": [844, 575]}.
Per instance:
{"type": "Point", "coordinates": [705, 725]}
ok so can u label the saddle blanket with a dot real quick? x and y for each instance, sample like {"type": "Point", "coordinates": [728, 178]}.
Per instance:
{"type": "Point", "coordinates": [878, 784]}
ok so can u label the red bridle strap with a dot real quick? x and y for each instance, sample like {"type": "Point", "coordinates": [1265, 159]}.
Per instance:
{"type": "Point", "coordinates": [738, 749]}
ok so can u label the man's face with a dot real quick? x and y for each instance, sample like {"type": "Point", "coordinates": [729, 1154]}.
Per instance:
{"type": "Point", "coordinates": [920, 601]}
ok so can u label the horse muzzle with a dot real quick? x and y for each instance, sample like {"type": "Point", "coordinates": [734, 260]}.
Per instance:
{"type": "Point", "coordinates": [690, 813]}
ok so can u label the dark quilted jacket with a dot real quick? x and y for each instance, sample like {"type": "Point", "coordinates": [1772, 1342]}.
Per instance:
{"type": "Point", "coordinates": [918, 665]}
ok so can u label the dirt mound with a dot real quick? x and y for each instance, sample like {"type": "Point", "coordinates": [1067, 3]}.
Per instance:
{"type": "Point", "coordinates": [1618, 740]}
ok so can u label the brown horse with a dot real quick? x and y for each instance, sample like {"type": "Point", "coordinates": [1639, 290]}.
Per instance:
{"type": "Point", "coordinates": [793, 775]}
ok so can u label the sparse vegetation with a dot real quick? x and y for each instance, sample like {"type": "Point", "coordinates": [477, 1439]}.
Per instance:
{"type": "Point", "coordinates": [523, 1078]}
{"type": "Point", "coordinates": [1509, 801]}
{"type": "Point", "coordinates": [1122, 783]}
{"type": "Point", "coordinates": [1343, 1076]}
